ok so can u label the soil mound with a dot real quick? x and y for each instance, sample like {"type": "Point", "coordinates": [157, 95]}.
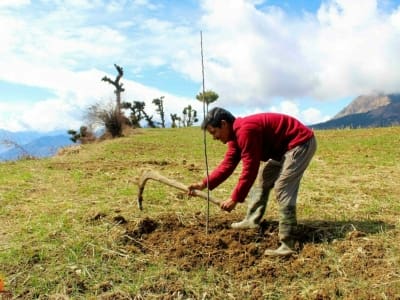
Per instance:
{"type": "Point", "coordinates": [181, 243]}
{"type": "Point", "coordinates": [186, 245]}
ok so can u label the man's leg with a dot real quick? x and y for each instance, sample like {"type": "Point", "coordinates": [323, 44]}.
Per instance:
{"type": "Point", "coordinates": [286, 188]}
{"type": "Point", "coordinates": [267, 174]}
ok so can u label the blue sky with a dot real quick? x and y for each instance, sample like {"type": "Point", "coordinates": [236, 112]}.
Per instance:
{"type": "Point", "coordinates": [306, 58]}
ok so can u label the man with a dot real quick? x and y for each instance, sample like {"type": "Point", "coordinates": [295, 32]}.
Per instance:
{"type": "Point", "coordinates": [284, 144]}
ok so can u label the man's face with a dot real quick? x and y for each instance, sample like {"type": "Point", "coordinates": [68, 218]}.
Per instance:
{"type": "Point", "coordinates": [222, 134]}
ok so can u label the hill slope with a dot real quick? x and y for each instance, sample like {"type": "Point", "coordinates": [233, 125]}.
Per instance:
{"type": "Point", "coordinates": [70, 227]}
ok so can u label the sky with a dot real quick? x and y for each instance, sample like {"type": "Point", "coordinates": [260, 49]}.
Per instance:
{"type": "Point", "coordinates": [306, 58]}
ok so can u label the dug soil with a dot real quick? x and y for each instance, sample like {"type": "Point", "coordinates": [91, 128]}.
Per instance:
{"type": "Point", "coordinates": [186, 245]}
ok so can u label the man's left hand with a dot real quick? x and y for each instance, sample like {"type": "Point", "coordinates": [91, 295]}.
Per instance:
{"type": "Point", "coordinates": [228, 205]}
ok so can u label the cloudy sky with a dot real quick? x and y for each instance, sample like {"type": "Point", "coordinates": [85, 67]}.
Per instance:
{"type": "Point", "coordinates": [306, 58]}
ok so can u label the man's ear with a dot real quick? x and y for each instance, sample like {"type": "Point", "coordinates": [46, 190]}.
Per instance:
{"type": "Point", "coordinates": [223, 123]}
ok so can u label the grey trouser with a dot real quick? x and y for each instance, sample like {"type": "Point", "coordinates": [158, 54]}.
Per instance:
{"type": "Point", "coordinates": [284, 177]}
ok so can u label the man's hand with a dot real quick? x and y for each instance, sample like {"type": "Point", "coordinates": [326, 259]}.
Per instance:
{"type": "Point", "coordinates": [228, 205]}
{"type": "Point", "coordinates": [195, 186]}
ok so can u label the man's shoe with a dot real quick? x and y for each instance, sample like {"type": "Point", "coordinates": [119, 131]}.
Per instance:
{"type": "Point", "coordinates": [283, 250]}
{"type": "Point", "coordinates": [245, 224]}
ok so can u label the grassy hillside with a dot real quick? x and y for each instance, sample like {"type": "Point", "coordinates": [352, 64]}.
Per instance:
{"type": "Point", "coordinates": [70, 227]}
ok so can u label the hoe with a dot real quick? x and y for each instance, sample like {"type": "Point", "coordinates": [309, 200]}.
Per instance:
{"type": "Point", "coordinates": [149, 174]}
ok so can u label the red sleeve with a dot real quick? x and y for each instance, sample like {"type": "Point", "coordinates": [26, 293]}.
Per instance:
{"type": "Point", "coordinates": [249, 142]}
{"type": "Point", "coordinates": [225, 167]}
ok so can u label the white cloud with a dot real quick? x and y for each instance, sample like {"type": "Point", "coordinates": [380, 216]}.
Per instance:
{"type": "Point", "coordinates": [52, 113]}
{"type": "Point", "coordinates": [313, 116]}
{"type": "Point", "coordinates": [308, 116]}
{"type": "Point", "coordinates": [252, 56]}
{"type": "Point", "coordinates": [76, 91]}
{"type": "Point", "coordinates": [259, 56]}
{"type": "Point", "coordinates": [354, 50]}
{"type": "Point", "coordinates": [13, 3]}
{"type": "Point", "coordinates": [287, 107]}
{"type": "Point", "coordinates": [395, 19]}
{"type": "Point", "coordinates": [10, 115]}
{"type": "Point", "coordinates": [342, 51]}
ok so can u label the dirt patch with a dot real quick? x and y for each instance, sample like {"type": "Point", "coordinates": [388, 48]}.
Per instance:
{"type": "Point", "coordinates": [188, 246]}
{"type": "Point", "coordinates": [184, 244]}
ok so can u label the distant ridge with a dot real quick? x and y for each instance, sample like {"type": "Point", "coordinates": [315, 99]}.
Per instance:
{"type": "Point", "coordinates": [375, 110]}
{"type": "Point", "coordinates": [32, 144]}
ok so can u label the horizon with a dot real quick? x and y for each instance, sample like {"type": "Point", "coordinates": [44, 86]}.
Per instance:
{"type": "Point", "coordinates": [308, 59]}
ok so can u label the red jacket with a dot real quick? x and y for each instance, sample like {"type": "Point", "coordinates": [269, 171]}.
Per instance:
{"type": "Point", "coordinates": [258, 138]}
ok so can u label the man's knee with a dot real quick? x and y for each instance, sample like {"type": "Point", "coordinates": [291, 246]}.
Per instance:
{"type": "Point", "coordinates": [270, 174]}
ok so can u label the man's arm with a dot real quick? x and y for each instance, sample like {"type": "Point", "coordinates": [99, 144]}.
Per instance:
{"type": "Point", "coordinates": [225, 167]}
{"type": "Point", "coordinates": [250, 143]}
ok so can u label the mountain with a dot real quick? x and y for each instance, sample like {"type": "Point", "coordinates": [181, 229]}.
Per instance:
{"type": "Point", "coordinates": [364, 104]}
{"type": "Point", "coordinates": [15, 145]}
{"type": "Point", "coordinates": [375, 110]}
{"type": "Point", "coordinates": [9, 137]}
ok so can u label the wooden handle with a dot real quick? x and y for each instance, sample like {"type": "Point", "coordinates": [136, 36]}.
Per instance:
{"type": "Point", "coordinates": [150, 174]}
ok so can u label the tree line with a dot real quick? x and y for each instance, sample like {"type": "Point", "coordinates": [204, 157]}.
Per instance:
{"type": "Point", "coordinates": [114, 119]}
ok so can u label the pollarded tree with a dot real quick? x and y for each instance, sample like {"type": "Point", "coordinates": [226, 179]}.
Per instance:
{"type": "Point", "coordinates": [84, 136]}
{"type": "Point", "coordinates": [112, 118]}
{"type": "Point", "coordinates": [118, 86]}
{"type": "Point", "coordinates": [174, 119]}
{"type": "Point", "coordinates": [138, 113]}
{"type": "Point", "coordinates": [208, 97]}
{"type": "Point", "coordinates": [149, 120]}
{"type": "Point", "coordinates": [159, 102]}
{"type": "Point", "coordinates": [189, 116]}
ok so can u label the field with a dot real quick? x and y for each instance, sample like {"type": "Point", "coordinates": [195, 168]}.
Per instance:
{"type": "Point", "coordinates": [70, 227]}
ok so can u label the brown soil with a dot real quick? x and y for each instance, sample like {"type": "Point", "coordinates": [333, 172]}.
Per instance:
{"type": "Point", "coordinates": [188, 246]}
{"type": "Point", "coordinates": [184, 244]}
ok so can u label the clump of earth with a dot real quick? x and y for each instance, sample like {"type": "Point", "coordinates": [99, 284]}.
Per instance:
{"type": "Point", "coordinates": [187, 244]}
{"type": "Point", "coordinates": [190, 243]}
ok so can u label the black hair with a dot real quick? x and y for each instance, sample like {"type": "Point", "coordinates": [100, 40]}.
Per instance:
{"type": "Point", "coordinates": [215, 116]}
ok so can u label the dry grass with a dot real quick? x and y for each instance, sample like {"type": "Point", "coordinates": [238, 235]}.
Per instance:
{"type": "Point", "coordinates": [67, 227]}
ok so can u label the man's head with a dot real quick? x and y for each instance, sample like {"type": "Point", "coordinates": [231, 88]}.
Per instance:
{"type": "Point", "coordinates": [218, 123]}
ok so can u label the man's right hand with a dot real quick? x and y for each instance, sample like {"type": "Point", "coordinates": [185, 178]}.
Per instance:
{"type": "Point", "coordinates": [228, 205]}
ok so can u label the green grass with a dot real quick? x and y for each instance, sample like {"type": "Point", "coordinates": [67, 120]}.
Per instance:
{"type": "Point", "coordinates": [58, 238]}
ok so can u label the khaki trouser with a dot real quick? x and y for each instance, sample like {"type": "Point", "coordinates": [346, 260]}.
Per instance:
{"type": "Point", "coordinates": [284, 177]}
